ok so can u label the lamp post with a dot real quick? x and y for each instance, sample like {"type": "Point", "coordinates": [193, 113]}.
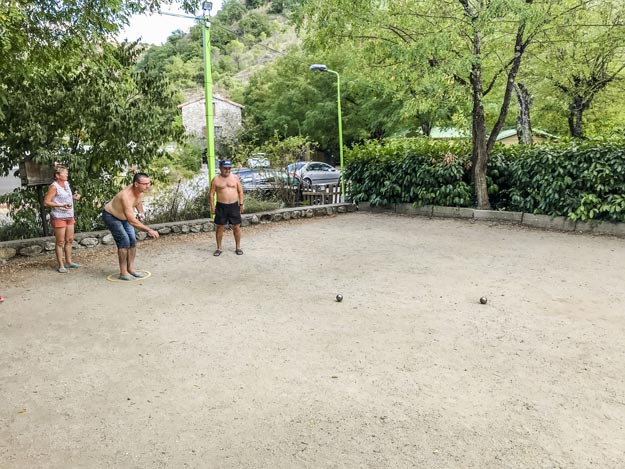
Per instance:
{"type": "Point", "coordinates": [208, 84]}
{"type": "Point", "coordinates": [324, 68]}
{"type": "Point", "coordinates": [208, 91]}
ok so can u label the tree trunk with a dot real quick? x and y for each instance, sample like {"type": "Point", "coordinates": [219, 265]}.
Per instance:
{"type": "Point", "coordinates": [523, 121]}
{"type": "Point", "coordinates": [479, 155]}
{"type": "Point", "coordinates": [576, 117]}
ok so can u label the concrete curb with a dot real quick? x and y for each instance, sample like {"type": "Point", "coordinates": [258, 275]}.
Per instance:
{"type": "Point", "coordinates": [543, 222]}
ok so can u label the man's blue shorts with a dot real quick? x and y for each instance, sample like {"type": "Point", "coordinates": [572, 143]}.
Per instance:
{"type": "Point", "coordinates": [123, 233]}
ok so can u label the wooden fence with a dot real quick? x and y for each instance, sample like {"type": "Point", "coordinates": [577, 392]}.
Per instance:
{"type": "Point", "coordinates": [321, 195]}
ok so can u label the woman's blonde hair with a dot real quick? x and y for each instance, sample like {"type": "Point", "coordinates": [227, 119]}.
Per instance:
{"type": "Point", "coordinates": [59, 168]}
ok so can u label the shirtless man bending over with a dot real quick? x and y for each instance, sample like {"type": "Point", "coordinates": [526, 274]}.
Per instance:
{"type": "Point", "coordinates": [119, 217]}
{"type": "Point", "coordinates": [229, 207]}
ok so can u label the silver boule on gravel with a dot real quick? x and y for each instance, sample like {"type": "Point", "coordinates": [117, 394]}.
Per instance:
{"type": "Point", "coordinates": [339, 297]}
{"type": "Point", "coordinates": [483, 300]}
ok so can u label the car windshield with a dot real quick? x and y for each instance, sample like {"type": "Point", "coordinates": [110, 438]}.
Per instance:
{"type": "Point", "coordinates": [295, 166]}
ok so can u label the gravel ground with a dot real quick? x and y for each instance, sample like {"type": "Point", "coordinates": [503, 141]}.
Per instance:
{"type": "Point", "coordinates": [248, 361]}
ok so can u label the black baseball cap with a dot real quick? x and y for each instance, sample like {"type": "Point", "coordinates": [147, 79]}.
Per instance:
{"type": "Point", "coordinates": [225, 164]}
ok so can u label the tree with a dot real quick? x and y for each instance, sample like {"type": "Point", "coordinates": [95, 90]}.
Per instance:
{"type": "Point", "coordinates": [584, 57]}
{"type": "Point", "coordinates": [476, 44]}
{"type": "Point", "coordinates": [97, 114]}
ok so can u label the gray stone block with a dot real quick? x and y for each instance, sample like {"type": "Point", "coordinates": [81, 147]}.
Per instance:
{"type": "Point", "coordinates": [309, 213]}
{"type": "Point", "coordinates": [286, 215]}
{"type": "Point", "coordinates": [329, 210]}
{"type": "Point", "coordinates": [107, 239]}
{"type": "Point", "coordinates": [295, 214]}
{"type": "Point", "coordinates": [276, 217]}
{"type": "Point", "coordinates": [546, 222]}
{"type": "Point", "coordinates": [142, 235]}
{"type": "Point", "coordinates": [164, 230]}
{"type": "Point", "coordinates": [255, 220]}
{"type": "Point", "coordinates": [90, 242]}
{"type": "Point", "coordinates": [452, 212]}
{"type": "Point", "coordinates": [7, 253]}
{"type": "Point", "coordinates": [195, 228]}
{"type": "Point", "coordinates": [176, 229]}
{"type": "Point", "coordinates": [351, 207]}
{"type": "Point", "coordinates": [319, 211]}
{"type": "Point", "coordinates": [341, 209]}
{"type": "Point", "coordinates": [382, 208]}
{"type": "Point", "coordinates": [499, 215]}
{"type": "Point", "coordinates": [32, 250]}
{"type": "Point", "coordinates": [609, 228]}
{"type": "Point", "coordinates": [245, 222]}
{"type": "Point", "coordinates": [184, 228]}
{"type": "Point", "coordinates": [49, 246]}
{"type": "Point", "coordinates": [411, 210]}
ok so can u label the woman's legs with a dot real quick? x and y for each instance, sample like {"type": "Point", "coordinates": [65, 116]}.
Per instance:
{"type": "Point", "coordinates": [59, 238]}
{"type": "Point", "coordinates": [69, 239]}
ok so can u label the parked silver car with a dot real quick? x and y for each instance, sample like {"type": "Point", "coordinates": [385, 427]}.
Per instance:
{"type": "Point", "coordinates": [314, 173]}
{"type": "Point", "coordinates": [265, 179]}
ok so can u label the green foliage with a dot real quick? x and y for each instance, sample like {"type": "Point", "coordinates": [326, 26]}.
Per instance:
{"type": "Point", "coordinates": [282, 152]}
{"type": "Point", "coordinates": [580, 180]}
{"type": "Point", "coordinates": [583, 181]}
{"type": "Point", "coordinates": [416, 170]}
{"type": "Point", "coordinates": [97, 115]}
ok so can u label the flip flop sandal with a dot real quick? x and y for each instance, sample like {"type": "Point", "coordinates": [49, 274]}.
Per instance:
{"type": "Point", "coordinates": [125, 277]}
{"type": "Point", "coordinates": [73, 265]}
{"type": "Point", "coordinates": [138, 274]}
{"type": "Point", "coordinates": [239, 252]}
{"type": "Point", "coordinates": [61, 270]}
{"type": "Point", "coordinates": [217, 252]}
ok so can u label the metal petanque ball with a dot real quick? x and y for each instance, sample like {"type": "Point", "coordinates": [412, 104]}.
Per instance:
{"type": "Point", "coordinates": [483, 300]}
{"type": "Point", "coordinates": [339, 297]}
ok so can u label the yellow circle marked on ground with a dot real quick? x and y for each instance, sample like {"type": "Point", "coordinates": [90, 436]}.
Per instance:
{"type": "Point", "coordinates": [115, 277]}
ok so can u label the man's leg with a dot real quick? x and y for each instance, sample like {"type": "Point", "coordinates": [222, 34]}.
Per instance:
{"type": "Point", "coordinates": [219, 235]}
{"type": "Point", "coordinates": [122, 255]}
{"type": "Point", "coordinates": [132, 252]}
{"type": "Point", "coordinates": [236, 230]}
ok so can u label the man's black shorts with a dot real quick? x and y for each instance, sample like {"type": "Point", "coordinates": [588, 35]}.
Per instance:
{"type": "Point", "coordinates": [227, 213]}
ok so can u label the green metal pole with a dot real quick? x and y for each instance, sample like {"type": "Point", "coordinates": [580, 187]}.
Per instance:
{"type": "Point", "coordinates": [338, 106]}
{"type": "Point", "coordinates": [208, 100]}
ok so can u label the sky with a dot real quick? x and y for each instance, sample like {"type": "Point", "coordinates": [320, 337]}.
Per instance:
{"type": "Point", "coordinates": [155, 29]}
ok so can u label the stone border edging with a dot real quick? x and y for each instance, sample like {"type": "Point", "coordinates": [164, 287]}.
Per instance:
{"type": "Point", "coordinates": [544, 222]}
{"type": "Point", "coordinates": [40, 246]}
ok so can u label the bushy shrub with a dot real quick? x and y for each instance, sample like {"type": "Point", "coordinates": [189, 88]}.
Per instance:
{"type": "Point", "coordinates": [580, 180]}
{"type": "Point", "coordinates": [416, 170]}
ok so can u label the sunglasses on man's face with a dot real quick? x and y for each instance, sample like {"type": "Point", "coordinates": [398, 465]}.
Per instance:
{"type": "Point", "coordinates": [144, 183]}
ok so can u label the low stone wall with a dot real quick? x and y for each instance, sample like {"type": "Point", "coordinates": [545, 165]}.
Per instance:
{"type": "Point", "coordinates": [544, 222]}
{"type": "Point", "coordinates": [40, 246]}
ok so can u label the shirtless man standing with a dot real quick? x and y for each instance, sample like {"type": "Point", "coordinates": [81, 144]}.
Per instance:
{"type": "Point", "coordinates": [229, 207]}
{"type": "Point", "coordinates": [119, 217]}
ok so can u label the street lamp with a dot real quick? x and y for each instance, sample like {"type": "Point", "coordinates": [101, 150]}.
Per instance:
{"type": "Point", "coordinates": [208, 83]}
{"type": "Point", "coordinates": [208, 91]}
{"type": "Point", "coordinates": [324, 68]}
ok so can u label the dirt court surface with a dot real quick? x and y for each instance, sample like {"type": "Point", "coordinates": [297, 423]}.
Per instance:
{"type": "Point", "coordinates": [248, 361]}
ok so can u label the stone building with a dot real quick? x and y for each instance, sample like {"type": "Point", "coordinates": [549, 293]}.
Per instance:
{"type": "Point", "coordinates": [226, 117]}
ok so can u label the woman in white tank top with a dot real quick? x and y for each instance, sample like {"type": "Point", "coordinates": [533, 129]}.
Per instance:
{"type": "Point", "coordinates": [61, 200]}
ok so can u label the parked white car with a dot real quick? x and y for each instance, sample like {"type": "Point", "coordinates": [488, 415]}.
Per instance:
{"type": "Point", "coordinates": [314, 173]}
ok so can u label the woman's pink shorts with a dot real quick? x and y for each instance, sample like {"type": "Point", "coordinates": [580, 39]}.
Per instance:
{"type": "Point", "coordinates": [62, 223]}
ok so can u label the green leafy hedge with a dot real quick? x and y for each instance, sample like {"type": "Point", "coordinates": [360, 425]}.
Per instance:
{"type": "Point", "coordinates": [580, 180]}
